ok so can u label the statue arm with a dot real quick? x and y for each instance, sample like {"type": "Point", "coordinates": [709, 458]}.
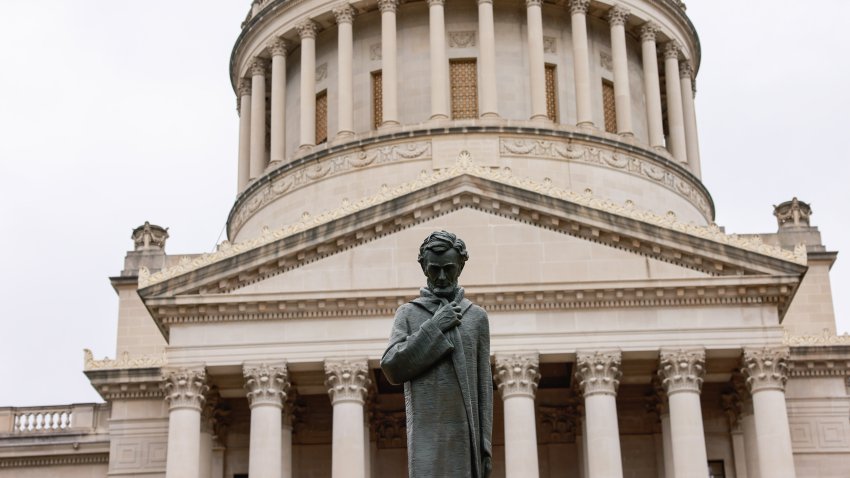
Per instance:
{"type": "Point", "coordinates": [412, 354]}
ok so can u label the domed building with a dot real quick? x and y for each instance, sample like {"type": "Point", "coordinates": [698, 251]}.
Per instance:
{"type": "Point", "coordinates": [630, 334]}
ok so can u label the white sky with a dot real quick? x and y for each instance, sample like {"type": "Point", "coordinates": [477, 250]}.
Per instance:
{"type": "Point", "coordinates": [113, 113]}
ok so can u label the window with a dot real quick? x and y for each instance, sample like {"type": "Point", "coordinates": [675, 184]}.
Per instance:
{"type": "Point", "coordinates": [464, 84]}
{"type": "Point", "coordinates": [552, 92]}
{"type": "Point", "coordinates": [322, 117]}
{"type": "Point", "coordinates": [609, 106]}
{"type": "Point", "coordinates": [715, 469]}
{"type": "Point", "coordinates": [377, 99]}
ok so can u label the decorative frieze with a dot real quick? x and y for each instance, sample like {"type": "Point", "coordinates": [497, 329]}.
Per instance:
{"type": "Point", "coordinates": [598, 372]}
{"type": "Point", "coordinates": [682, 370]}
{"type": "Point", "coordinates": [347, 380]}
{"type": "Point", "coordinates": [463, 39]}
{"type": "Point", "coordinates": [766, 368]}
{"type": "Point", "coordinates": [517, 374]}
{"type": "Point", "coordinates": [185, 388]}
{"type": "Point", "coordinates": [266, 384]}
{"type": "Point", "coordinates": [825, 339]}
{"type": "Point", "coordinates": [124, 362]}
{"type": "Point", "coordinates": [56, 460]}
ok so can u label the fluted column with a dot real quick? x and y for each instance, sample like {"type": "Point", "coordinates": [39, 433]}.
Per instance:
{"type": "Point", "coordinates": [184, 392]}
{"type": "Point", "coordinates": [681, 372]}
{"type": "Point", "coordinates": [766, 370]}
{"type": "Point", "coordinates": [307, 31]}
{"type": "Point", "coordinates": [347, 382]}
{"type": "Point", "coordinates": [652, 85]}
{"type": "Point", "coordinates": [617, 18]}
{"type": "Point", "coordinates": [439, 60]}
{"type": "Point", "coordinates": [537, 68]}
{"type": "Point", "coordinates": [517, 376]}
{"type": "Point", "coordinates": [599, 376]}
{"type": "Point", "coordinates": [243, 91]}
{"type": "Point", "coordinates": [487, 57]}
{"type": "Point", "coordinates": [581, 62]}
{"type": "Point", "coordinates": [686, 74]}
{"type": "Point", "coordinates": [344, 15]}
{"type": "Point", "coordinates": [258, 117]}
{"type": "Point", "coordinates": [675, 114]}
{"type": "Point", "coordinates": [267, 387]}
{"type": "Point", "coordinates": [277, 149]}
{"type": "Point", "coordinates": [389, 62]}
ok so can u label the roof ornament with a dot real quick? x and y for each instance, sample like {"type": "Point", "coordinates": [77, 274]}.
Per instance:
{"type": "Point", "coordinates": [793, 213]}
{"type": "Point", "coordinates": [149, 237]}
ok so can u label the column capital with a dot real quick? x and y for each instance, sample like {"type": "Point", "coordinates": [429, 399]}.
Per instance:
{"type": "Point", "coordinates": [533, 3]}
{"type": "Point", "coordinates": [517, 374]}
{"type": "Point", "coordinates": [485, 1]}
{"type": "Point", "coordinates": [579, 6]}
{"type": "Point", "coordinates": [685, 69]}
{"type": "Point", "coordinates": [618, 15]}
{"type": "Point", "coordinates": [388, 6]}
{"type": "Point", "coordinates": [440, 3]}
{"type": "Point", "coordinates": [258, 67]}
{"type": "Point", "coordinates": [766, 368]}
{"type": "Point", "coordinates": [185, 388]}
{"type": "Point", "coordinates": [307, 29]}
{"type": "Point", "coordinates": [648, 32]}
{"type": "Point", "coordinates": [347, 380]}
{"type": "Point", "coordinates": [243, 87]}
{"type": "Point", "coordinates": [671, 50]}
{"type": "Point", "coordinates": [344, 13]}
{"type": "Point", "coordinates": [599, 372]}
{"type": "Point", "coordinates": [278, 47]}
{"type": "Point", "coordinates": [682, 370]}
{"type": "Point", "coordinates": [266, 384]}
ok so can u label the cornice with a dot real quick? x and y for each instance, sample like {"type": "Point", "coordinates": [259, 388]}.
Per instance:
{"type": "Point", "coordinates": [127, 384]}
{"type": "Point", "coordinates": [36, 461]}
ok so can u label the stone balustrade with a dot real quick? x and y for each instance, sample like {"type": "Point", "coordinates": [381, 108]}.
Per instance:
{"type": "Point", "coordinates": [49, 419]}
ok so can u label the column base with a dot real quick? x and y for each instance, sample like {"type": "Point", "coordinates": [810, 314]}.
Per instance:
{"type": "Point", "coordinates": [439, 117]}
{"type": "Point", "coordinates": [390, 124]}
{"type": "Point", "coordinates": [305, 148]}
{"type": "Point", "coordinates": [343, 136]}
{"type": "Point", "coordinates": [627, 134]}
{"type": "Point", "coordinates": [586, 125]}
{"type": "Point", "coordinates": [541, 119]}
{"type": "Point", "coordinates": [490, 115]}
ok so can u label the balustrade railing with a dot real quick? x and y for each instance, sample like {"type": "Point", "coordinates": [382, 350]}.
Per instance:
{"type": "Point", "coordinates": [52, 419]}
{"type": "Point", "coordinates": [42, 420]}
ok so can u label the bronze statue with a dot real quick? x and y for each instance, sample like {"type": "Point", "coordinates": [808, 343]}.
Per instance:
{"type": "Point", "coordinates": [440, 349]}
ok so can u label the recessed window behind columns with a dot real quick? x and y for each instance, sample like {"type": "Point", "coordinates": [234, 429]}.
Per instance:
{"type": "Point", "coordinates": [464, 84]}
{"type": "Point", "coordinates": [609, 106]}
{"type": "Point", "coordinates": [322, 117]}
{"type": "Point", "coordinates": [377, 99]}
{"type": "Point", "coordinates": [552, 92]}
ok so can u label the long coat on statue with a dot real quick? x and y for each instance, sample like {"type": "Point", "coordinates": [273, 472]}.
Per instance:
{"type": "Point", "coordinates": [448, 387]}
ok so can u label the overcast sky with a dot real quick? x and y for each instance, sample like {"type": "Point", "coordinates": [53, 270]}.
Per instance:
{"type": "Point", "coordinates": [113, 113]}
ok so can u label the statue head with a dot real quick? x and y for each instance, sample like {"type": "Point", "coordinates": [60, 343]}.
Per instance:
{"type": "Point", "coordinates": [442, 257]}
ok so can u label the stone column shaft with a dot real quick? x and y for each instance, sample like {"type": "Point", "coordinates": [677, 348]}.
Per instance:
{"type": "Point", "coordinates": [652, 84]}
{"type": "Point", "coordinates": [345, 76]}
{"type": "Point", "coordinates": [617, 17]}
{"type": "Point", "coordinates": [686, 73]}
{"type": "Point", "coordinates": [581, 62]}
{"type": "Point", "coordinates": [739, 454]}
{"type": "Point", "coordinates": [599, 375]}
{"type": "Point", "coordinates": [347, 382]}
{"type": "Point", "coordinates": [439, 60]}
{"type": "Point", "coordinates": [675, 113]}
{"type": "Point", "coordinates": [681, 372]}
{"type": "Point", "coordinates": [389, 62]}
{"type": "Point", "coordinates": [307, 30]}
{"type": "Point", "coordinates": [277, 148]}
{"type": "Point", "coordinates": [487, 57]}
{"type": "Point", "coordinates": [667, 444]}
{"type": "Point", "coordinates": [267, 387]}
{"type": "Point", "coordinates": [184, 392]}
{"type": "Point", "coordinates": [517, 377]}
{"type": "Point", "coordinates": [751, 450]}
{"type": "Point", "coordinates": [536, 65]}
{"type": "Point", "coordinates": [243, 90]}
{"type": "Point", "coordinates": [258, 117]}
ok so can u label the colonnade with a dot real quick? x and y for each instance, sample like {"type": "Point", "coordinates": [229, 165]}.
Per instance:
{"type": "Point", "coordinates": [681, 141]}
{"type": "Point", "coordinates": [762, 443]}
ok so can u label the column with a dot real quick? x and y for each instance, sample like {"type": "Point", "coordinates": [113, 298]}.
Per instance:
{"type": "Point", "coordinates": [675, 115]}
{"type": "Point", "coordinates": [751, 449]}
{"type": "Point", "coordinates": [681, 372]}
{"type": "Point", "coordinates": [278, 48]}
{"type": "Point", "coordinates": [660, 405]}
{"type": "Point", "coordinates": [487, 57]}
{"type": "Point", "coordinates": [344, 15]}
{"type": "Point", "coordinates": [686, 74]}
{"type": "Point", "coordinates": [347, 382]}
{"type": "Point", "coordinates": [537, 68]}
{"type": "Point", "coordinates": [766, 370]}
{"type": "Point", "coordinates": [267, 386]}
{"type": "Point", "coordinates": [184, 392]}
{"type": "Point", "coordinates": [599, 376]}
{"type": "Point", "coordinates": [732, 402]}
{"type": "Point", "coordinates": [307, 31]}
{"type": "Point", "coordinates": [258, 117]}
{"type": "Point", "coordinates": [389, 62]}
{"type": "Point", "coordinates": [286, 435]}
{"type": "Point", "coordinates": [617, 18]}
{"type": "Point", "coordinates": [652, 85]}
{"type": "Point", "coordinates": [581, 62]}
{"type": "Point", "coordinates": [439, 60]}
{"type": "Point", "coordinates": [243, 91]}
{"type": "Point", "coordinates": [517, 376]}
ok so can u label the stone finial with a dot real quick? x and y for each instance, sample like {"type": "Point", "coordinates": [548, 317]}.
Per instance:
{"type": "Point", "coordinates": [149, 237]}
{"type": "Point", "coordinates": [266, 384]}
{"type": "Point", "coordinates": [682, 370]}
{"type": "Point", "coordinates": [517, 374]}
{"type": "Point", "coordinates": [793, 213]}
{"type": "Point", "coordinates": [766, 368]}
{"type": "Point", "coordinates": [347, 380]}
{"type": "Point", "coordinates": [598, 372]}
{"type": "Point", "coordinates": [185, 388]}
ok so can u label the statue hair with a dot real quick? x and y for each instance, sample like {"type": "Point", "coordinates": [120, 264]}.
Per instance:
{"type": "Point", "coordinates": [441, 241]}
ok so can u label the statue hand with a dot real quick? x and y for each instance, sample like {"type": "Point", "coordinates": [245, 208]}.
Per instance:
{"type": "Point", "coordinates": [448, 316]}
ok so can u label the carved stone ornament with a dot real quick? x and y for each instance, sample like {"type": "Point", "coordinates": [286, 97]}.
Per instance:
{"type": "Point", "coordinates": [321, 72]}
{"type": "Point", "coordinates": [465, 39]}
{"type": "Point", "coordinates": [766, 368]}
{"type": "Point", "coordinates": [517, 374]}
{"type": "Point", "coordinates": [598, 372]}
{"type": "Point", "coordinates": [671, 50]}
{"type": "Point", "coordinates": [825, 339]}
{"type": "Point", "coordinates": [533, 3]}
{"type": "Point", "coordinates": [685, 69]}
{"type": "Point", "coordinates": [618, 15]}
{"type": "Point", "coordinates": [307, 29]}
{"type": "Point", "coordinates": [656, 401]}
{"type": "Point", "coordinates": [266, 384]}
{"type": "Point", "coordinates": [347, 380]}
{"type": "Point", "coordinates": [733, 407]}
{"type": "Point", "coordinates": [648, 32]}
{"type": "Point", "coordinates": [793, 213]}
{"type": "Point", "coordinates": [436, 3]}
{"type": "Point", "coordinates": [185, 388]}
{"type": "Point", "coordinates": [606, 61]}
{"type": "Point", "coordinates": [150, 237]}
{"type": "Point", "coordinates": [243, 88]}
{"type": "Point", "coordinates": [278, 47]}
{"type": "Point", "coordinates": [390, 428]}
{"type": "Point", "coordinates": [258, 67]}
{"type": "Point", "coordinates": [375, 52]}
{"type": "Point", "coordinates": [122, 362]}
{"type": "Point", "coordinates": [579, 6]}
{"type": "Point", "coordinates": [550, 45]}
{"type": "Point", "coordinates": [344, 13]}
{"type": "Point", "coordinates": [390, 6]}
{"type": "Point", "coordinates": [556, 424]}
{"type": "Point", "coordinates": [682, 370]}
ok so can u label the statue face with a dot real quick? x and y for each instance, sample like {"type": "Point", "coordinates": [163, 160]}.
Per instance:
{"type": "Point", "coordinates": [442, 271]}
